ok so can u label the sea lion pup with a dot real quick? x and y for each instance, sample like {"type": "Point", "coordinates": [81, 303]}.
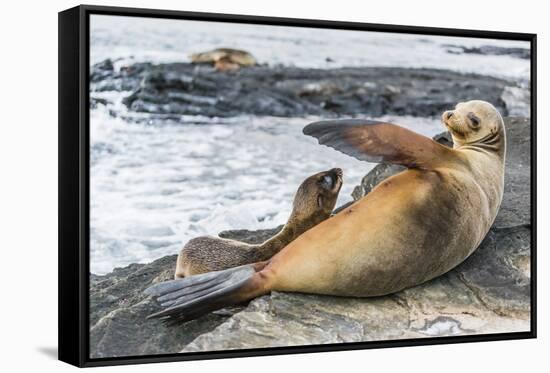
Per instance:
{"type": "Point", "coordinates": [313, 203]}
{"type": "Point", "coordinates": [412, 227]}
{"type": "Point", "coordinates": [225, 59]}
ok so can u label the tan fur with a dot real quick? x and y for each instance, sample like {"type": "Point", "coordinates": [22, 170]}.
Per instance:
{"type": "Point", "coordinates": [411, 228]}
{"type": "Point", "coordinates": [225, 64]}
{"type": "Point", "coordinates": [225, 59]}
{"type": "Point", "coordinates": [313, 203]}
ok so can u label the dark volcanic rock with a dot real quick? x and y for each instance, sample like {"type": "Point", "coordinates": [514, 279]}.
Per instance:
{"type": "Point", "coordinates": [500, 273]}
{"type": "Point", "coordinates": [96, 101]}
{"type": "Point", "coordinates": [379, 173]}
{"type": "Point", "coordinates": [515, 209]}
{"type": "Point", "coordinates": [488, 293]}
{"type": "Point", "coordinates": [182, 88]}
{"type": "Point", "coordinates": [491, 50]}
{"type": "Point", "coordinates": [118, 308]}
{"type": "Point", "coordinates": [254, 237]}
{"type": "Point", "coordinates": [103, 76]}
{"type": "Point", "coordinates": [102, 70]}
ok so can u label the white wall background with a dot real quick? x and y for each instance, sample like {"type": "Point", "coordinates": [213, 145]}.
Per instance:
{"type": "Point", "coordinates": [28, 185]}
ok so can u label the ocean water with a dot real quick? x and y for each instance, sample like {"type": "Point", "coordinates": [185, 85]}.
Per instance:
{"type": "Point", "coordinates": [156, 184]}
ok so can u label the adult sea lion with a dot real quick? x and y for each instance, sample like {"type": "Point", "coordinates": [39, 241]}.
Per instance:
{"type": "Point", "coordinates": [412, 227]}
{"type": "Point", "coordinates": [313, 203]}
{"type": "Point", "coordinates": [225, 59]}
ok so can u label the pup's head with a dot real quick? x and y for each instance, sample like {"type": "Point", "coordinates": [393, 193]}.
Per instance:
{"type": "Point", "coordinates": [317, 195]}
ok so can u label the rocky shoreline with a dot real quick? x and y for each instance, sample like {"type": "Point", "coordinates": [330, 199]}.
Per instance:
{"type": "Point", "coordinates": [490, 50]}
{"type": "Point", "coordinates": [176, 89]}
{"type": "Point", "coordinates": [488, 293]}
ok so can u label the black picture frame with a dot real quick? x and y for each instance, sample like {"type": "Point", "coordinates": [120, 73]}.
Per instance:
{"type": "Point", "coordinates": [74, 191]}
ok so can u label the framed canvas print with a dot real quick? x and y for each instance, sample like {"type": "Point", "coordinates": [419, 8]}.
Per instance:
{"type": "Point", "coordinates": [233, 186]}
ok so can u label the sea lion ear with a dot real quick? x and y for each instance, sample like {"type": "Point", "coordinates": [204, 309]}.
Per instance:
{"type": "Point", "coordinates": [320, 201]}
{"type": "Point", "coordinates": [374, 141]}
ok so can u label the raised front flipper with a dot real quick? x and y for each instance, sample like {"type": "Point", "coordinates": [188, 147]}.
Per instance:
{"type": "Point", "coordinates": [374, 141]}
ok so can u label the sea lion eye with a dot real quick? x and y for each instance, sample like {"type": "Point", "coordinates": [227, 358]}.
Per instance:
{"type": "Point", "coordinates": [474, 120]}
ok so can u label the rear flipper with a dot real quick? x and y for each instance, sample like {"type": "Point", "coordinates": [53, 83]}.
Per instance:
{"type": "Point", "coordinates": [191, 297]}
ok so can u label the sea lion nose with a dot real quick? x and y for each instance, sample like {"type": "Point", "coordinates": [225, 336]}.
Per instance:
{"type": "Point", "coordinates": [449, 114]}
{"type": "Point", "coordinates": [337, 171]}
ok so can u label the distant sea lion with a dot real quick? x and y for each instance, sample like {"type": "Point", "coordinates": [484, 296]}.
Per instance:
{"type": "Point", "coordinates": [313, 203]}
{"type": "Point", "coordinates": [225, 59]}
{"type": "Point", "coordinates": [412, 227]}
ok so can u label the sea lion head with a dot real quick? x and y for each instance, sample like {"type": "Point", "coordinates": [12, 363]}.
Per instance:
{"type": "Point", "coordinates": [208, 57]}
{"type": "Point", "coordinates": [224, 55]}
{"type": "Point", "coordinates": [475, 123]}
{"type": "Point", "coordinates": [317, 195]}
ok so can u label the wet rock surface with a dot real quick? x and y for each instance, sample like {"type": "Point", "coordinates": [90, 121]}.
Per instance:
{"type": "Point", "coordinates": [188, 89]}
{"type": "Point", "coordinates": [118, 308]}
{"type": "Point", "coordinates": [487, 293]}
{"type": "Point", "coordinates": [491, 50]}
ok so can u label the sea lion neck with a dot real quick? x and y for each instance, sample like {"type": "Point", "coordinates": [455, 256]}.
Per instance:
{"type": "Point", "coordinates": [492, 143]}
{"type": "Point", "coordinates": [290, 231]}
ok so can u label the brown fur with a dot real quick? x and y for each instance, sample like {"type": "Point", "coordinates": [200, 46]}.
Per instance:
{"type": "Point", "coordinates": [313, 203]}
